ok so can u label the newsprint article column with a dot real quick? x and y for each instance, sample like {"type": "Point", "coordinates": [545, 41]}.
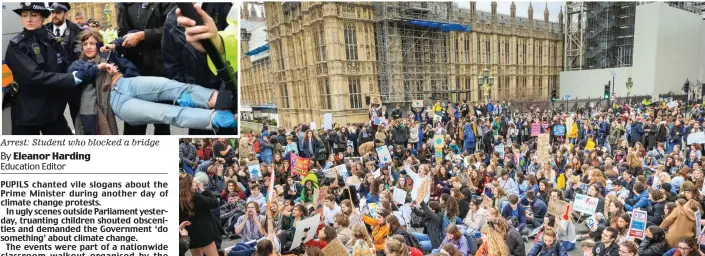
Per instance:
{"type": "Point", "coordinates": [81, 196]}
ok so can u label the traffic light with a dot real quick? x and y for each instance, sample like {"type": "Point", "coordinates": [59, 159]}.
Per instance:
{"type": "Point", "coordinates": [554, 95]}
{"type": "Point", "coordinates": [607, 92]}
{"type": "Point", "coordinates": [686, 86]}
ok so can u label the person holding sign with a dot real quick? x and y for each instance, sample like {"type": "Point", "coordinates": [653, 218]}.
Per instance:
{"type": "Point", "coordinates": [380, 229]}
{"type": "Point", "coordinates": [433, 231]}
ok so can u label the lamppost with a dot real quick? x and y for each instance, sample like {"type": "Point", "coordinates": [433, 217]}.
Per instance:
{"type": "Point", "coordinates": [629, 89]}
{"type": "Point", "coordinates": [486, 81]}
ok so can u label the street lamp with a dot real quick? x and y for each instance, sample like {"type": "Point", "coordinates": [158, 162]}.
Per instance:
{"type": "Point", "coordinates": [486, 81]}
{"type": "Point", "coordinates": [629, 88]}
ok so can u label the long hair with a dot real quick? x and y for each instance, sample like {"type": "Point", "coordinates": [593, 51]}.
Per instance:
{"type": "Point", "coordinates": [450, 205]}
{"type": "Point", "coordinates": [186, 195]}
{"type": "Point", "coordinates": [264, 247]}
{"type": "Point", "coordinates": [396, 247]}
{"type": "Point", "coordinates": [495, 241]}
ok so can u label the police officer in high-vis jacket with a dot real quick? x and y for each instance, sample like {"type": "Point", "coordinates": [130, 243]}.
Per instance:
{"type": "Point", "coordinates": [67, 33]}
{"type": "Point", "coordinates": [38, 67]}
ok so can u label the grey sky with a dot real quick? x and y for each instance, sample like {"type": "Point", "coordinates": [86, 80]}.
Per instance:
{"type": "Point", "coordinates": [522, 8]}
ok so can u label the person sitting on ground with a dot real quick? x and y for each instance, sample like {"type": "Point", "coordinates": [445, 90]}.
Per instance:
{"type": "Point", "coordinates": [455, 238]}
{"type": "Point", "coordinates": [548, 246]}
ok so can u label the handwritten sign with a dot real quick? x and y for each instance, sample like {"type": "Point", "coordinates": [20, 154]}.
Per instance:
{"type": "Point", "coordinates": [299, 165]}
{"type": "Point", "coordinates": [417, 103]}
{"type": "Point", "coordinates": [342, 170]}
{"type": "Point", "coordinates": [383, 155]}
{"type": "Point", "coordinates": [585, 204]}
{"type": "Point", "coordinates": [335, 248]}
{"type": "Point", "coordinates": [424, 190]}
{"type": "Point", "coordinates": [637, 227]}
{"type": "Point", "coordinates": [321, 194]}
{"type": "Point", "coordinates": [375, 99]}
{"type": "Point", "coordinates": [543, 148]}
{"type": "Point", "coordinates": [305, 231]}
{"type": "Point", "coordinates": [559, 209]}
{"type": "Point", "coordinates": [399, 196]}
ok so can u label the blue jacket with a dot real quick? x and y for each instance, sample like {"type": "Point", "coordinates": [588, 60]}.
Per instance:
{"type": "Point", "coordinates": [507, 212]}
{"type": "Point", "coordinates": [642, 201]}
{"type": "Point", "coordinates": [265, 153]}
{"type": "Point", "coordinates": [637, 132]}
{"type": "Point", "coordinates": [539, 249]}
{"type": "Point", "coordinates": [540, 209]}
{"type": "Point", "coordinates": [468, 137]}
{"type": "Point", "coordinates": [490, 108]}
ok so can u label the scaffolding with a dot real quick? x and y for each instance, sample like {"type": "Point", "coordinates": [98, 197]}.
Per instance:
{"type": "Point", "coordinates": [574, 36]}
{"type": "Point", "coordinates": [412, 55]}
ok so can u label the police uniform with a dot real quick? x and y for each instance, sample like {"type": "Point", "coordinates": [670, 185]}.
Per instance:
{"type": "Point", "coordinates": [38, 68]}
{"type": "Point", "coordinates": [72, 48]}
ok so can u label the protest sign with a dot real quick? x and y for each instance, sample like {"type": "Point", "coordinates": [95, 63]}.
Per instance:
{"type": "Point", "coordinates": [569, 126]}
{"type": "Point", "coordinates": [499, 149]}
{"type": "Point", "coordinates": [672, 104]}
{"type": "Point", "coordinates": [543, 148]}
{"type": "Point", "coordinates": [300, 165]}
{"type": "Point", "coordinates": [335, 248]}
{"type": "Point", "coordinates": [377, 173]}
{"type": "Point", "coordinates": [383, 155]}
{"type": "Point", "coordinates": [305, 231]}
{"type": "Point", "coordinates": [354, 160]}
{"type": "Point", "coordinates": [585, 204]}
{"type": "Point", "coordinates": [375, 98]}
{"type": "Point", "coordinates": [438, 141]}
{"type": "Point", "coordinates": [637, 227]}
{"type": "Point", "coordinates": [535, 129]}
{"type": "Point", "coordinates": [354, 181]}
{"type": "Point", "coordinates": [696, 138]}
{"type": "Point", "coordinates": [312, 125]}
{"type": "Point", "coordinates": [591, 223]}
{"type": "Point", "coordinates": [439, 155]}
{"type": "Point", "coordinates": [328, 171]}
{"type": "Point", "coordinates": [399, 195]}
{"type": "Point", "coordinates": [255, 172]}
{"type": "Point", "coordinates": [559, 209]}
{"type": "Point", "coordinates": [424, 190]}
{"type": "Point", "coordinates": [342, 170]}
{"type": "Point", "coordinates": [327, 121]}
{"type": "Point", "coordinates": [417, 103]}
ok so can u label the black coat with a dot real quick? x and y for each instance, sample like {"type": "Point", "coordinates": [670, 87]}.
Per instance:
{"type": "Point", "coordinates": [70, 41]}
{"type": "Point", "coordinates": [149, 61]}
{"type": "Point", "coordinates": [204, 228]}
{"type": "Point", "coordinates": [661, 133]}
{"type": "Point", "coordinates": [649, 248]}
{"type": "Point", "coordinates": [656, 213]}
{"type": "Point", "coordinates": [41, 77]}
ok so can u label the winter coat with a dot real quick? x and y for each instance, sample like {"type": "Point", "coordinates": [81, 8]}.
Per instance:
{"type": "Point", "coordinates": [679, 223]}
{"type": "Point", "coordinates": [515, 242]}
{"type": "Point", "coordinates": [476, 220]}
{"type": "Point", "coordinates": [636, 133]}
{"type": "Point", "coordinates": [400, 134]}
{"type": "Point", "coordinates": [661, 133]}
{"type": "Point", "coordinates": [655, 213]}
{"type": "Point", "coordinates": [507, 212]}
{"type": "Point", "coordinates": [649, 248]}
{"type": "Point", "coordinates": [379, 232]}
{"type": "Point", "coordinates": [468, 138]}
{"type": "Point", "coordinates": [434, 224]}
{"type": "Point", "coordinates": [642, 201]}
{"type": "Point", "coordinates": [266, 154]}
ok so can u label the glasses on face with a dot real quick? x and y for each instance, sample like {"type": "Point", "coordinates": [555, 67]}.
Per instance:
{"type": "Point", "coordinates": [684, 248]}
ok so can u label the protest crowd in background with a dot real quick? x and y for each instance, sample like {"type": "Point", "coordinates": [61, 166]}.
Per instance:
{"type": "Point", "coordinates": [457, 180]}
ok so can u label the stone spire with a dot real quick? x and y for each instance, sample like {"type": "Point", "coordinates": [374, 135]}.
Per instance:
{"type": "Point", "coordinates": [494, 8]}
{"type": "Point", "coordinates": [473, 11]}
{"type": "Point", "coordinates": [560, 16]}
{"type": "Point", "coordinates": [513, 9]}
{"type": "Point", "coordinates": [531, 11]}
{"type": "Point", "coordinates": [245, 12]}
{"type": "Point", "coordinates": [545, 13]}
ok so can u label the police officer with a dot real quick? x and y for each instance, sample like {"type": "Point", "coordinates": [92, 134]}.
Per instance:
{"type": "Point", "coordinates": [67, 33]}
{"type": "Point", "coordinates": [38, 67]}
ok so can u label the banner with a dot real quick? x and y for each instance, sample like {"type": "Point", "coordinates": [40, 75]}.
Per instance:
{"type": "Point", "coordinates": [299, 165]}
{"type": "Point", "coordinates": [585, 204]}
{"type": "Point", "coordinates": [637, 227]}
{"type": "Point", "coordinates": [417, 104]}
{"type": "Point", "coordinates": [383, 155]}
{"type": "Point", "coordinates": [559, 209]}
{"type": "Point", "coordinates": [438, 153]}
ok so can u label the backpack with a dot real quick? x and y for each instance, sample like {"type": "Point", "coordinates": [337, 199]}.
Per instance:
{"type": "Point", "coordinates": [417, 221]}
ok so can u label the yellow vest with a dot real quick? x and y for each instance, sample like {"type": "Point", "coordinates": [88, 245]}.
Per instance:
{"type": "Point", "coordinates": [590, 145]}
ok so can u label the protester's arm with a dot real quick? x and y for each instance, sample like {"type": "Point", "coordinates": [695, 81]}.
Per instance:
{"type": "Point", "coordinates": [240, 225]}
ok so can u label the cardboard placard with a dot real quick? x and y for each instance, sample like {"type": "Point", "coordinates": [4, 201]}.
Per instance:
{"type": "Point", "coordinates": [312, 125]}
{"type": "Point", "coordinates": [424, 190]}
{"type": "Point", "coordinates": [585, 204]}
{"type": "Point", "coordinates": [375, 99]}
{"type": "Point", "coordinates": [383, 155]}
{"type": "Point", "coordinates": [543, 148]}
{"type": "Point", "coordinates": [399, 196]}
{"type": "Point", "coordinates": [559, 208]}
{"type": "Point", "coordinates": [342, 170]}
{"type": "Point", "coordinates": [417, 103]}
{"type": "Point", "coordinates": [637, 227]}
{"type": "Point", "coordinates": [300, 165]}
{"type": "Point", "coordinates": [321, 194]}
{"type": "Point", "coordinates": [335, 248]}
{"type": "Point", "coordinates": [305, 231]}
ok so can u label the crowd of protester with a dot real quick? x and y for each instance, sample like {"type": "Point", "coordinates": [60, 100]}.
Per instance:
{"type": "Point", "coordinates": [154, 70]}
{"type": "Point", "coordinates": [491, 184]}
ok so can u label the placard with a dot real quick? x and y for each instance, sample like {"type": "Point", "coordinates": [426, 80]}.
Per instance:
{"type": "Point", "coordinates": [696, 138]}
{"type": "Point", "coordinates": [637, 227]}
{"type": "Point", "coordinates": [438, 153]}
{"type": "Point", "coordinates": [327, 121]}
{"type": "Point", "coordinates": [591, 223]}
{"type": "Point", "coordinates": [375, 99]}
{"type": "Point", "coordinates": [305, 231]}
{"type": "Point", "coordinates": [417, 103]}
{"type": "Point", "coordinates": [559, 209]}
{"type": "Point", "coordinates": [299, 165]}
{"type": "Point", "coordinates": [399, 196]}
{"type": "Point", "coordinates": [312, 125]}
{"type": "Point", "coordinates": [543, 148]}
{"type": "Point", "coordinates": [438, 141]}
{"type": "Point", "coordinates": [373, 209]}
{"type": "Point", "coordinates": [424, 190]}
{"type": "Point", "coordinates": [535, 129]}
{"type": "Point", "coordinates": [383, 155]}
{"type": "Point", "coordinates": [335, 248]}
{"type": "Point", "coordinates": [585, 204]}
{"type": "Point", "coordinates": [342, 170]}
{"type": "Point", "coordinates": [320, 199]}
{"type": "Point", "coordinates": [255, 172]}
{"type": "Point", "coordinates": [499, 149]}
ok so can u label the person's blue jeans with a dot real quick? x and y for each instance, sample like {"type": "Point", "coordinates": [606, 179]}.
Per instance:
{"type": "Point", "coordinates": [243, 249]}
{"type": "Point", "coordinates": [90, 124]}
{"type": "Point", "coordinates": [135, 101]}
{"type": "Point", "coordinates": [424, 241]}
{"type": "Point", "coordinates": [568, 246]}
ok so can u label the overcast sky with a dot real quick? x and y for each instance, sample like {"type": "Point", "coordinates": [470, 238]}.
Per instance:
{"type": "Point", "coordinates": [522, 8]}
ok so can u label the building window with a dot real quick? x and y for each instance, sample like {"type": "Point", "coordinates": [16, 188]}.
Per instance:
{"type": "Point", "coordinates": [467, 51]}
{"type": "Point", "coordinates": [540, 55]}
{"type": "Point", "coordinates": [355, 93]}
{"type": "Point", "coordinates": [555, 56]}
{"type": "Point", "coordinates": [281, 56]}
{"type": "Point", "coordinates": [499, 51]}
{"type": "Point", "coordinates": [457, 51]}
{"type": "Point", "coordinates": [506, 52]}
{"type": "Point", "coordinates": [319, 41]}
{"type": "Point", "coordinates": [523, 53]}
{"type": "Point", "coordinates": [478, 51]}
{"type": "Point", "coordinates": [350, 42]}
{"type": "Point", "coordinates": [488, 59]}
{"type": "Point", "coordinates": [324, 90]}
{"type": "Point", "coordinates": [285, 95]}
